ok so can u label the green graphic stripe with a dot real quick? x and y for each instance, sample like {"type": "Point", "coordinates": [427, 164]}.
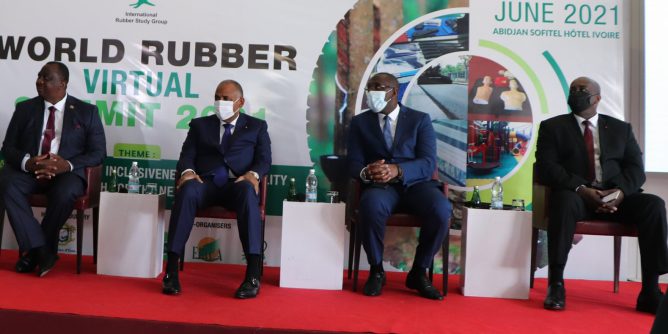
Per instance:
{"type": "Point", "coordinates": [523, 64]}
{"type": "Point", "coordinates": [557, 70]}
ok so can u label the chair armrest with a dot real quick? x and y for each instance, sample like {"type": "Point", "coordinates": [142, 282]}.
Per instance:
{"type": "Point", "coordinates": [93, 187]}
{"type": "Point", "coordinates": [263, 193]}
{"type": "Point", "coordinates": [352, 202]}
{"type": "Point", "coordinates": [540, 200]}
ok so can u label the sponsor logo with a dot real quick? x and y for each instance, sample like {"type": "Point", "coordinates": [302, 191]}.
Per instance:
{"type": "Point", "coordinates": [67, 235]}
{"type": "Point", "coordinates": [141, 12]}
{"type": "Point", "coordinates": [207, 249]}
{"type": "Point", "coordinates": [140, 3]}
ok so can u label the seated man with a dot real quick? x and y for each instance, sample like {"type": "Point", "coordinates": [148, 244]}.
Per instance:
{"type": "Point", "coordinates": [221, 163]}
{"type": "Point", "coordinates": [392, 149]}
{"type": "Point", "coordinates": [50, 141]}
{"type": "Point", "coordinates": [584, 157]}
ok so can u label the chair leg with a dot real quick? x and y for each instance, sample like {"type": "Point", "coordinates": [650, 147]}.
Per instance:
{"type": "Point", "coordinates": [80, 221]}
{"type": "Point", "coordinates": [618, 251]}
{"type": "Point", "coordinates": [357, 251]}
{"type": "Point", "coordinates": [2, 226]}
{"type": "Point", "coordinates": [446, 263]}
{"type": "Point", "coordinates": [351, 246]}
{"type": "Point", "coordinates": [96, 220]}
{"type": "Point", "coordinates": [534, 250]}
{"type": "Point", "coordinates": [182, 259]}
{"type": "Point", "coordinates": [431, 272]}
{"type": "Point", "coordinates": [264, 248]}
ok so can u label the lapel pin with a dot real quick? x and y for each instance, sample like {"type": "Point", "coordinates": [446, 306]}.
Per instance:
{"type": "Point", "coordinates": [71, 106]}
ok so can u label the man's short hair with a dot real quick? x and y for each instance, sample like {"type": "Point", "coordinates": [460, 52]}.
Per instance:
{"type": "Point", "coordinates": [235, 83]}
{"type": "Point", "coordinates": [389, 76]}
{"type": "Point", "coordinates": [62, 70]}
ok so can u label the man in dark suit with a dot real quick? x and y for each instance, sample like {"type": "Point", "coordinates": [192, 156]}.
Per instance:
{"type": "Point", "coordinates": [222, 160]}
{"type": "Point", "coordinates": [584, 157]}
{"type": "Point", "coordinates": [392, 150]}
{"type": "Point", "coordinates": [49, 142]}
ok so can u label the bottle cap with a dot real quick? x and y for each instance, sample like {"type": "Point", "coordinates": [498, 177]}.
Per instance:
{"type": "Point", "coordinates": [311, 170]}
{"type": "Point", "coordinates": [134, 162]}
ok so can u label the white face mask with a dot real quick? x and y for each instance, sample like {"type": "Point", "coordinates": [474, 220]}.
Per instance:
{"type": "Point", "coordinates": [224, 109]}
{"type": "Point", "coordinates": [376, 100]}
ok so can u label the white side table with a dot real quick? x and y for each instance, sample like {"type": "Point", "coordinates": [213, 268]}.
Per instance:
{"type": "Point", "coordinates": [496, 253]}
{"type": "Point", "coordinates": [131, 234]}
{"type": "Point", "coordinates": [312, 245]}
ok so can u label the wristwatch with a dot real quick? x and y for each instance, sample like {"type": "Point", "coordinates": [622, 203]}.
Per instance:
{"type": "Point", "coordinates": [257, 176]}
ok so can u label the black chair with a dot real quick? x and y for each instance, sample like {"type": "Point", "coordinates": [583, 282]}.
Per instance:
{"type": "Point", "coordinates": [89, 200]}
{"type": "Point", "coordinates": [617, 230]}
{"type": "Point", "coordinates": [396, 219]}
{"type": "Point", "coordinates": [219, 212]}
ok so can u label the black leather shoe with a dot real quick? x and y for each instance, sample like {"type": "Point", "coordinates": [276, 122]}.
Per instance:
{"type": "Point", "coordinates": [556, 297]}
{"type": "Point", "coordinates": [648, 302]}
{"type": "Point", "coordinates": [419, 281]}
{"type": "Point", "coordinates": [170, 284]}
{"type": "Point", "coordinates": [46, 263]}
{"type": "Point", "coordinates": [374, 284]}
{"type": "Point", "coordinates": [249, 288]}
{"type": "Point", "coordinates": [26, 264]}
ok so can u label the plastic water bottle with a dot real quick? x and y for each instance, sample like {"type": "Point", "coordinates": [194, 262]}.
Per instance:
{"type": "Point", "coordinates": [311, 186]}
{"type": "Point", "coordinates": [133, 179]}
{"type": "Point", "coordinates": [497, 195]}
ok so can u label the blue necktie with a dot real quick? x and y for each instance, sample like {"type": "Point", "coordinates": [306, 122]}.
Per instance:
{"type": "Point", "coordinates": [225, 141]}
{"type": "Point", "coordinates": [220, 174]}
{"type": "Point", "coordinates": [387, 132]}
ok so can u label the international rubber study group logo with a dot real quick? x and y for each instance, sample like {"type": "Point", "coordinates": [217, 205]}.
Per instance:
{"type": "Point", "coordinates": [140, 3]}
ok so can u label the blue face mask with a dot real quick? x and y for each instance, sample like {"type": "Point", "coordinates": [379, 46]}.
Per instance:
{"type": "Point", "coordinates": [376, 100]}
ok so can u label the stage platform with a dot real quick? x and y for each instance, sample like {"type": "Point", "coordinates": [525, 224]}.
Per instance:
{"type": "Point", "coordinates": [64, 302]}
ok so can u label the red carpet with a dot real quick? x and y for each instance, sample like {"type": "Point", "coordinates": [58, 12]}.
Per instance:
{"type": "Point", "coordinates": [207, 300]}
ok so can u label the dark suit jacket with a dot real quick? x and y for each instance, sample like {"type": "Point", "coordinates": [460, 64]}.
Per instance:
{"type": "Point", "coordinates": [82, 140]}
{"type": "Point", "coordinates": [250, 147]}
{"type": "Point", "coordinates": [561, 156]}
{"type": "Point", "coordinates": [414, 148]}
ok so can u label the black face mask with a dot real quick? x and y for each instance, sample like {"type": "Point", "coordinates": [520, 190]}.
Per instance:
{"type": "Point", "coordinates": [579, 101]}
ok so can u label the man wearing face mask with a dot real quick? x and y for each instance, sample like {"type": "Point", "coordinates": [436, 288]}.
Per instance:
{"type": "Point", "coordinates": [584, 157]}
{"type": "Point", "coordinates": [392, 150]}
{"type": "Point", "coordinates": [221, 163]}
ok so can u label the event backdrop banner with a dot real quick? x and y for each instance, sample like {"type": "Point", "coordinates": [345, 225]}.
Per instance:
{"type": "Point", "coordinates": [486, 71]}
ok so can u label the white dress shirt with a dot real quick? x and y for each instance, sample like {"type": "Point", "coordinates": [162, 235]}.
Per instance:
{"type": "Point", "coordinates": [58, 127]}
{"type": "Point", "coordinates": [598, 171]}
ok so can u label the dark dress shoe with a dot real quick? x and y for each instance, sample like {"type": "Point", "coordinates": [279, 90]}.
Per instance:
{"type": "Point", "coordinates": [26, 264]}
{"type": "Point", "coordinates": [419, 281]}
{"type": "Point", "coordinates": [556, 297]}
{"type": "Point", "coordinates": [374, 284]}
{"type": "Point", "coordinates": [249, 288]}
{"type": "Point", "coordinates": [170, 284]}
{"type": "Point", "coordinates": [648, 302]}
{"type": "Point", "coordinates": [46, 263]}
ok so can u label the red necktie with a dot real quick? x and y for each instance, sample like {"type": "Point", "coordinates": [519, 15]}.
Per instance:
{"type": "Point", "coordinates": [589, 144]}
{"type": "Point", "coordinates": [49, 131]}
